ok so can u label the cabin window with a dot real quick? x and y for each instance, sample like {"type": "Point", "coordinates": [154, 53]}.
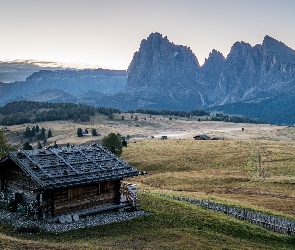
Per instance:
{"type": "Point", "coordinates": [104, 187]}
{"type": "Point", "coordinates": [74, 192]}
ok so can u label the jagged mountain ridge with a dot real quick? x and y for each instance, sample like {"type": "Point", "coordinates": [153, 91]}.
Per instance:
{"type": "Point", "coordinates": [246, 73]}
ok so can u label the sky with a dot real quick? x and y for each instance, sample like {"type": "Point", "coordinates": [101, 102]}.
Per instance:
{"type": "Point", "coordinates": [106, 33]}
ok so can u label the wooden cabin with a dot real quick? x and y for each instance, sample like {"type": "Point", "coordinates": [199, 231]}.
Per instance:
{"type": "Point", "coordinates": [62, 183]}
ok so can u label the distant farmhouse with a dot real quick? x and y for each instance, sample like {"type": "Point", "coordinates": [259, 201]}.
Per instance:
{"type": "Point", "coordinates": [202, 137]}
{"type": "Point", "coordinates": [63, 184]}
{"type": "Point", "coordinates": [205, 137]}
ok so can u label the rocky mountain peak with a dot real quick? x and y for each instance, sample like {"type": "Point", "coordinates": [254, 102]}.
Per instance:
{"type": "Point", "coordinates": [156, 46]}
{"type": "Point", "coordinates": [271, 42]}
{"type": "Point", "coordinates": [153, 41]}
{"type": "Point", "coordinates": [273, 45]}
{"type": "Point", "coordinates": [159, 63]}
{"type": "Point", "coordinates": [239, 50]}
{"type": "Point", "coordinates": [214, 58]}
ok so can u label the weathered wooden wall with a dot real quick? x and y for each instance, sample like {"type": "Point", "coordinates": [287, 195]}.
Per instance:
{"type": "Point", "coordinates": [17, 181]}
{"type": "Point", "coordinates": [89, 199]}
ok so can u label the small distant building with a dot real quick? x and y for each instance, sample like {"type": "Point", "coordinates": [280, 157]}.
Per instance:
{"type": "Point", "coordinates": [61, 184]}
{"type": "Point", "coordinates": [164, 137]}
{"type": "Point", "coordinates": [202, 137]}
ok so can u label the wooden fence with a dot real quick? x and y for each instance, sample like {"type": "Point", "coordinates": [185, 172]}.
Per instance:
{"type": "Point", "coordinates": [271, 222]}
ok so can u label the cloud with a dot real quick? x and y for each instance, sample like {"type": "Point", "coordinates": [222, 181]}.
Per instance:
{"type": "Point", "coordinates": [19, 70]}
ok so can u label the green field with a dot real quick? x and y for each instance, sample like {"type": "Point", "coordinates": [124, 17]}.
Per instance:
{"type": "Point", "coordinates": [173, 225]}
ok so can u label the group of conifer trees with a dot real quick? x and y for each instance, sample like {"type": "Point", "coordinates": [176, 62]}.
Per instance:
{"type": "Point", "coordinates": [39, 134]}
{"type": "Point", "coordinates": [23, 112]}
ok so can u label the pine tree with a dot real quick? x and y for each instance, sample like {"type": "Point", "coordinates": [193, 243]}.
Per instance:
{"type": "Point", "coordinates": [27, 146]}
{"type": "Point", "coordinates": [43, 131]}
{"type": "Point", "coordinates": [111, 116]}
{"type": "Point", "coordinates": [124, 143]}
{"type": "Point", "coordinates": [33, 131]}
{"type": "Point", "coordinates": [49, 134]}
{"type": "Point", "coordinates": [113, 143]}
{"type": "Point", "coordinates": [4, 146]}
{"type": "Point", "coordinates": [79, 132]}
{"type": "Point", "coordinates": [44, 140]}
{"type": "Point", "coordinates": [28, 132]}
{"type": "Point", "coordinates": [93, 132]}
{"type": "Point", "coordinates": [41, 136]}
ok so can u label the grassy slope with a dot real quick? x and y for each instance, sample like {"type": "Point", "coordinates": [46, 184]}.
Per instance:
{"type": "Point", "coordinates": [173, 225]}
{"type": "Point", "coordinates": [256, 174]}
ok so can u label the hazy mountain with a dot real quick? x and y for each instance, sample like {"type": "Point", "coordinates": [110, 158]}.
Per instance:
{"type": "Point", "coordinates": [81, 85]}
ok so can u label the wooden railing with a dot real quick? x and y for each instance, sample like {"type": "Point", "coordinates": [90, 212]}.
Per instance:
{"type": "Point", "coordinates": [271, 222]}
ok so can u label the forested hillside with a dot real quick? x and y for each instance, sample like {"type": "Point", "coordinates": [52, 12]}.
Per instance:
{"type": "Point", "coordinates": [21, 112]}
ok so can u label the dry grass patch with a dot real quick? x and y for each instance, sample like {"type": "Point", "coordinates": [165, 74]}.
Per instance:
{"type": "Point", "coordinates": [157, 156]}
{"type": "Point", "coordinates": [254, 173]}
{"type": "Point", "coordinates": [263, 202]}
{"type": "Point", "coordinates": [276, 158]}
{"type": "Point", "coordinates": [195, 182]}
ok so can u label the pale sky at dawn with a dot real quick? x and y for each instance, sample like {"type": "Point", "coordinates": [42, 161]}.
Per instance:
{"type": "Point", "coordinates": [107, 33]}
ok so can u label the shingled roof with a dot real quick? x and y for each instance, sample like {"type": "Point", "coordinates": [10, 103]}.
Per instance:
{"type": "Point", "coordinates": [70, 166]}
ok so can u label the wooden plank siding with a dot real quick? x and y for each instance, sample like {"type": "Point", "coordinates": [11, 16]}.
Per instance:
{"type": "Point", "coordinates": [18, 182]}
{"type": "Point", "coordinates": [73, 199]}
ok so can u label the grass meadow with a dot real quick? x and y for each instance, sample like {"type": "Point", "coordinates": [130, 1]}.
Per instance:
{"type": "Point", "coordinates": [256, 174]}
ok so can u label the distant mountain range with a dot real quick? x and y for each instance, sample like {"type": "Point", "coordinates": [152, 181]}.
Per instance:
{"type": "Point", "coordinates": [255, 81]}
{"type": "Point", "coordinates": [78, 86]}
